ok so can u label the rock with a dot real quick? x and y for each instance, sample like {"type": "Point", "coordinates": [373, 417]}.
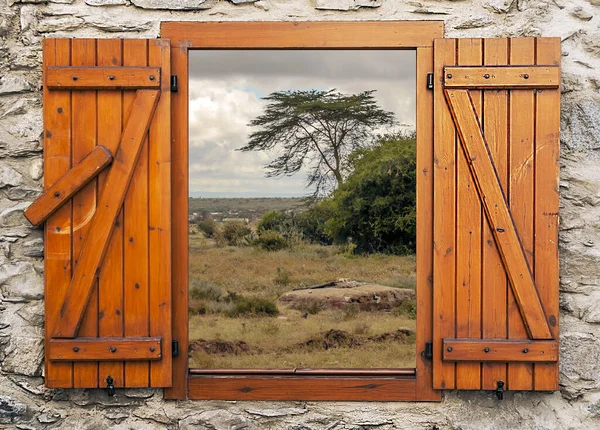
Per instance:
{"type": "Point", "coordinates": [49, 417]}
{"type": "Point", "coordinates": [501, 6]}
{"type": "Point", "coordinates": [21, 280]}
{"type": "Point", "coordinates": [105, 2]}
{"type": "Point", "coordinates": [594, 2]}
{"type": "Point", "coordinates": [140, 393]}
{"type": "Point", "coordinates": [33, 313]}
{"type": "Point", "coordinates": [583, 126]}
{"type": "Point", "coordinates": [24, 355]}
{"type": "Point", "coordinates": [576, 368]}
{"type": "Point", "coordinates": [18, 193]}
{"type": "Point", "coordinates": [9, 176]}
{"type": "Point", "coordinates": [113, 24]}
{"type": "Point", "coordinates": [172, 4]}
{"type": "Point", "coordinates": [478, 22]}
{"type": "Point", "coordinates": [346, 5]}
{"type": "Point", "coordinates": [14, 84]}
{"type": "Point", "coordinates": [13, 216]}
{"type": "Point", "coordinates": [59, 23]}
{"type": "Point", "coordinates": [34, 248]}
{"type": "Point", "coordinates": [10, 409]}
{"type": "Point", "coordinates": [214, 420]}
{"type": "Point", "coordinates": [582, 14]}
{"type": "Point", "coordinates": [36, 169]}
{"type": "Point", "coordinates": [242, 1]}
{"type": "Point", "coordinates": [279, 412]}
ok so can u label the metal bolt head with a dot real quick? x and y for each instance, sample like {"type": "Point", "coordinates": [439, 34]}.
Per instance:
{"type": "Point", "coordinates": [525, 350]}
{"type": "Point", "coordinates": [111, 78]}
{"type": "Point", "coordinates": [486, 349]}
{"type": "Point", "coordinates": [75, 78]}
{"type": "Point", "coordinates": [449, 76]}
{"type": "Point", "coordinates": [56, 194]}
{"type": "Point", "coordinates": [152, 349]}
{"type": "Point", "coordinates": [152, 77]}
{"type": "Point", "coordinates": [113, 349]}
{"type": "Point", "coordinates": [487, 76]}
{"type": "Point", "coordinates": [449, 349]}
{"type": "Point", "coordinates": [75, 349]}
{"type": "Point", "coordinates": [526, 76]}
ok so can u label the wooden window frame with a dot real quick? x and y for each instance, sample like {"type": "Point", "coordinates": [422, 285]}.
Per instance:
{"type": "Point", "coordinates": [304, 384]}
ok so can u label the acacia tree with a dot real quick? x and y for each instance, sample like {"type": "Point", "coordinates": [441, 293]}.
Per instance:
{"type": "Point", "coordinates": [318, 130]}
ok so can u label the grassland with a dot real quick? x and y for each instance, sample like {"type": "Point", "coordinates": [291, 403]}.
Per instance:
{"type": "Point", "coordinates": [290, 338]}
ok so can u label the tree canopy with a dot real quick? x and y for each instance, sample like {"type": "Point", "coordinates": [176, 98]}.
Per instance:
{"type": "Point", "coordinates": [318, 130]}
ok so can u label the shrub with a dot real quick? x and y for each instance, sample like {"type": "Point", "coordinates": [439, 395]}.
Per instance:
{"type": "Point", "coordinates": [271, 241]}
{"type": "Point", "coordinates": [208, 226]}
{"type": "Point", "coordinates": [407, 308]}
{"type": "Point", "coordinates": [205, 290]}
{"type": "Point", "coordinates": [311, 223]}
{"type": "Point", "coordinates": [272, 220]}
{"type": "Point", "coordinates": [233, 233]}
{"type": "Point", "coordinates": [250, 305]}
{"type": "Point", "coordinates": [283, 277]}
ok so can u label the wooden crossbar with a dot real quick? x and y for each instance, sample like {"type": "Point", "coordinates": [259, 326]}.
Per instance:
{"type": "Point", "coordinates": [102, 223]}
{"type": "Point", "coordinates": [500, 350]}
{"type": "Point", "coordinates": [498, 214]}
{"type": "Point", "coordinates": [105, 349]}
{"type": "Point", "coordinates": [80, 78]}
{"type": "Point", "coordinates": [72, 181]}
{"type": "Point", "coordinates": [502, 77]}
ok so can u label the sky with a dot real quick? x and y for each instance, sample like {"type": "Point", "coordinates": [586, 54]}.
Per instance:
{"type": "Point", "coordinates": [226, 87]}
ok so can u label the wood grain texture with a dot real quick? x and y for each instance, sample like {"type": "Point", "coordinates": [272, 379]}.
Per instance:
{"type": "Point", "coordinates": [547, 156]}
{"type": "Point", "coordinates": [57, 231]}
{"type": "Point", "coordinates": [498, 214]}
{"type": "Point", "coordinates": [301, 388]}
{"type": "Point", "coordinates": [506, 350]}
{"type": "Point", "coordinates": [73, 78]}
{"type": "Point", "coordinates": [110, 281]}
{"type": "Point", "coordinates": [521, 196]}
{"type": "Point", "coordinates": [71, 182]}
{"type": "Point", "coordinates": [102, 223]}
{"type": "Point", "coordinates": [507, 77]}
{"type": "Point", "coordinates": [444, 219]}
{"type": "Point", "coordinates": [84, 131]}
{"type": "Point", "coordinates": [135, 229]}
{"type": "Point", "coordinates": [159, 219]}
{"type": "Point", "coordinates": [98, 349]}
{"type": "Point", "coordinates": [468, 238]}
{"type": "Point", "coordinates": [314, 35]}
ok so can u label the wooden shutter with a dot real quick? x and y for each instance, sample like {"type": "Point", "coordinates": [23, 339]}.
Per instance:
{"type": "Point", "coordinates": [107, 211]}
{"type": "Point", "coordinates": [496, 151]}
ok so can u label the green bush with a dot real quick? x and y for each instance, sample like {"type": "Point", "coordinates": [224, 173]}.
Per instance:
{"type": "Point", "coordinates": [204, 290]}
{"type": "Point", "coordinates": [208, 226]}
{"type": "Point", "coordinates": [271, 241]}
{"type": "Point", "coordinates": [250, 305]}
{"type": "Point", "coordinates": [407, 308]}
{"type": "Point", "coordinates": [272, 220]}
{"type": "Point", "coordinates": [311, 223]}
{"type": "Point", "coordinates": [233, 233]}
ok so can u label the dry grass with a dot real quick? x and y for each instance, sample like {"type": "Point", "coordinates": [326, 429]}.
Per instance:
{"type": "Point", "coordinates": [276, 342]}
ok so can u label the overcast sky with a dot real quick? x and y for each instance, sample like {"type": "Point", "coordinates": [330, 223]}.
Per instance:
{"type": "Point", "coordinates": [226, 88]}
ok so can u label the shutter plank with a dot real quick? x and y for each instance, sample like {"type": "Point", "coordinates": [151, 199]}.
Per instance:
{"type": "Point", "coordinates": [505, 350]}
{"type": "Point", "coordinates": [521, 171]}
{"type": "Point", "coordinates": [110, 281]}
{"type": "Point", "coordinates": [57, 232]}
{"type": "Point", "coordinates": [65, 78]}
{"type": "Point", "coordinates": [494, 282]}
{"type": "Point", "coordinates": [102, 224]}
{"type": "Point", "coordinates": [110, 348]}
{"type": "Point", "coordinates": [507, 77]}
{"type": "Point", "coordinates": [135, 284]}
{"type": "Point", "coordinates": [84, 202]}
{"type": "Point", "coordinates": [160, 222]}
{"type": "Point", "coordinates": [71, 182]}
{"type": "Point", "coordinates": [468, 239]}
{"type": "Point", "coordinates": [547, 150]}
{"type": "Point", "coordinates": [444, 218]}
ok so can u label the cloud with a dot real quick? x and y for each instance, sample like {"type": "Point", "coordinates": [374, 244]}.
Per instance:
{"type": "Point", "coordinates": [225, 95]}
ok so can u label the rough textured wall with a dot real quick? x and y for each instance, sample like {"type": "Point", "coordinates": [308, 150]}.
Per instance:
{"type": "Point", "coordinates": [25, 404]}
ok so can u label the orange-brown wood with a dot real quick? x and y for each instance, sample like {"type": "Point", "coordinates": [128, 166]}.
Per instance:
{"type": "Point", "coordinates": [424, 383]}
{"type": "Point", "coordinates": [500, 350]}
{"type": "Point", "coordinates": [83, 128]}
{"type": "Point", "coordinates": [494, 280]}
{"type": "Point", "coordinates": [159, 218]}
{"type": "Point", "coordinates": [547, 154]}
{"type": "Point", "coordinates": [110, 281]}
{"type": "Point", "coordinates": [444, 219]}
{"type": "Point", "coordinates": [57, 232]}
{"type": "Point", "coordinates": [520, 190]}
{"type": "Point", "coordinates": [185, 36]}
{"type": "Point", "coordinates": [507, 77]}
{"type": "Point", "coordinates": [309, 35]}
{"type": "Point", "coordinates": [95, 349]}
{"type": "Point", "coordinates": [468, 238]}
{"type": "Point", "coordinates": [71, 182]}
{"type": "Point", "coordinates": [301, 388]}
{"type": "Point", "coordinates": [498, 214]}
{"type": "Point", "coordinates": [111, 199]}
{"type": "Point", "coordinates": [135, 207]}
{"type": "Point", "coordinates": [73, 78]}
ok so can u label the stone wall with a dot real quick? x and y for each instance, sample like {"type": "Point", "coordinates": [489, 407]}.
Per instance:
{"type": "Point", "coordinates": [25, 404]}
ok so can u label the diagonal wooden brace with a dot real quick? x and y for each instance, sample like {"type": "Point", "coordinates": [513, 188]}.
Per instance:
{"type": "Point", "coordinates": [102, 224]}
{"type": "Point", "coordinates": [74, 180]}
{"type": "Point", "coordinates": [498, 214]}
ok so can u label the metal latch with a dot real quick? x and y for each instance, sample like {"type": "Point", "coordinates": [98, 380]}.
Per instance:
{"type": "Point", "coordinates": [110, 386]}
{"type": "Point", "coordinates": [175, 348]}
{"type": "Point", "coordinates": [500, 390]}
{"type": "Point", "coordinates": [428, 353]}
{"type": "Point", "coordinates": [174, 85]}
{"type": "Point", "coordinates": [430, 81]}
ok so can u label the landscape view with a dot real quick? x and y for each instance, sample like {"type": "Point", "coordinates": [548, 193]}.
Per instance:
{"type": "Point", "coordinates": [302, 219]}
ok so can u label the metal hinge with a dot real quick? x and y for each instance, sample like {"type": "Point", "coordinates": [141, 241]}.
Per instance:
{"type": "Point", "coordinates": [500, 390]}
{"type": "Point", "coordinates": [430, 81]}
{"type": "Point", "coordinates": [174, 85]}
{"type": "Point", "coordinates": [428, 353]}
{"type": "Point", "coordinates": [175, 348]}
